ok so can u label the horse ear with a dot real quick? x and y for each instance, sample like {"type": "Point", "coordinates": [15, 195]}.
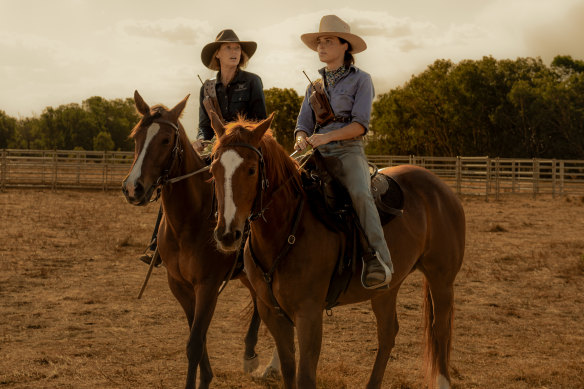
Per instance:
{"type": "Point", "coordinates": [261, 128]}
{"type": "Point", "coordinates": [141, 105]}
{"type": "Point", "coordinates": [217, 125]}
{"type": "Point", "coordinates": [179, 108]}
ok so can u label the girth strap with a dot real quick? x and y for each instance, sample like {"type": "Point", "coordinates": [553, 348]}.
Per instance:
{"type": "Point", "coordinates": [268, 275]}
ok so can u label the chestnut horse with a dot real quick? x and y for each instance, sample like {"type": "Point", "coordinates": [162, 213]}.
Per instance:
{"type": "Point", "coordinates": [290, 255]}
{"type": "Point", "coordinates": [195, 268]}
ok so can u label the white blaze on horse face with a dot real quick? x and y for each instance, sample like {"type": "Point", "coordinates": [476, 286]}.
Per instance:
{"type": "Point", "coordinates": [230, 161]}
{"type": "Point", "coordinates": [137, 169]}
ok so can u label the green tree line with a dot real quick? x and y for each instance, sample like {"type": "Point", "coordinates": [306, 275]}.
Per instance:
{"type": "Point", "coordinates": [500, 108]}
{"type": "Point", "coordinates": [505, 108]}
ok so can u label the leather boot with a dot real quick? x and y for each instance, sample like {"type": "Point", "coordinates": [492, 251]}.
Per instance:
{"type": "Point", "coordinates": [376, 274]}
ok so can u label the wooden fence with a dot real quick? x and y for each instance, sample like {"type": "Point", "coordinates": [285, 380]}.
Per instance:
{"type": "Point", "coordinates": [484, 176]}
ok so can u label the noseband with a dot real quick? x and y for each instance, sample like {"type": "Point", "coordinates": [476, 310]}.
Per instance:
{"type": "Point", "coordinates": [263, 182]}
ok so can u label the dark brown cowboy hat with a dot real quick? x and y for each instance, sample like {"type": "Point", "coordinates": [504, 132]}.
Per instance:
{"type": "Point", "coordinates": [226, 36]}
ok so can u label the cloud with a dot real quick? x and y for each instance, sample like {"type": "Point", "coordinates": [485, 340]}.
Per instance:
{"type": "Point", "coordinates": [176, 31]}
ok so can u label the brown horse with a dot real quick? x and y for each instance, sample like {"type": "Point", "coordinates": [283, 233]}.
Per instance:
{"type": "Point", "coordinates": [295, 254]}
{"type": "Point", "coordinates": [195, 268]}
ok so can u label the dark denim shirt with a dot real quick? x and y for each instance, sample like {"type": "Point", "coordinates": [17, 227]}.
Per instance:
{"type": "Point", "coordinates": [351, 96]}
{"type": "Point", "coordinates": [243, 95]}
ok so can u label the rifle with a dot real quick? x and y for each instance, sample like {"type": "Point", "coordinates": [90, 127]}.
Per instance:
{"type": "Point", "coordinates": [319, 102]}
{"type": "Point", "coordinates": [210, 99]}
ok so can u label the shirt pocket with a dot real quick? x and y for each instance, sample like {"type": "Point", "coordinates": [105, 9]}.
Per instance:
{"type": "Point", "coordinates": [240, 102]}
{"type": "Point", "coordinates": [344, 99]}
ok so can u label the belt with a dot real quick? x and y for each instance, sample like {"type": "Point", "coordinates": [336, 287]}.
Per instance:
{"type": "Point", "coordinates": [337, 119]}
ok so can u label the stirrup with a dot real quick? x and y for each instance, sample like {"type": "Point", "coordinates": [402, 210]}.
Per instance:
{"type": "Point", "coordinates": [147, 259]}
{"type": "Point", "coordinates": [383, 284]}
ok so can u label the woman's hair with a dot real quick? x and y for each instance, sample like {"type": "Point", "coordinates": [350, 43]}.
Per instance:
{"type": "Point", "coordinates": [349, 59]}
{"type": "Point", "coordinates": [215, 65]}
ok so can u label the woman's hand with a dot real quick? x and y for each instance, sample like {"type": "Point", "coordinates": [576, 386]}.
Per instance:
{"type": "Point", "coordinates": [319, 139]}
{"type": "Point", "coordinates": [198, 146]}
{"type": "Point", "coordinates": [301, 142]}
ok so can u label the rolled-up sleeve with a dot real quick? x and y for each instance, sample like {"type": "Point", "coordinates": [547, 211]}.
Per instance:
{"type": "Point", "coordinates": [305, 121]}
{"type": "Point", "coordinates": [361, 112]}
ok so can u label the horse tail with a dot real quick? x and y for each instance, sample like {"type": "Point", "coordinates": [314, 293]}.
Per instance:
{"type": "Point", "coordinates": [436, 348]}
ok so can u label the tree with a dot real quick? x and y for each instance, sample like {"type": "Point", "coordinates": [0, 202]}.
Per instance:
{"type": "Point", "coordinates": [103, 141]}
{"type": "Point", "coordinates": [7, 129]}
{"type": "Point", "coordinates": [286, 104]}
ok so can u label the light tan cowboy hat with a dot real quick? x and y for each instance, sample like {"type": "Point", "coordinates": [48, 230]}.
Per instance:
{"type": "Point", "coordinates": [226, 36]}
{"type": "Point", "coordinates": [332, 25]}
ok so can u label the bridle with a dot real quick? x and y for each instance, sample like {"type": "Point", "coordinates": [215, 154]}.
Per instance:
{"type": "Point", "coordinates": [262, 184]}
{"type": "Point", "coordinates": [176, 157]}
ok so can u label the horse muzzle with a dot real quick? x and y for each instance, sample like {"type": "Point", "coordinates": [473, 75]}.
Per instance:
{"type": "Point", "coordinates": [136, 194]}
{"type": "Point", "coordinates": [228, 241]}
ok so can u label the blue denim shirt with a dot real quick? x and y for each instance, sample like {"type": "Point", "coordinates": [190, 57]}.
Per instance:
{"type": "Point", "coordinates": [351, 96]}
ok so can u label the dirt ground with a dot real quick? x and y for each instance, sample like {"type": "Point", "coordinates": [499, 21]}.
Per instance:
{"type": "Point", "coordinates": [69, 317]}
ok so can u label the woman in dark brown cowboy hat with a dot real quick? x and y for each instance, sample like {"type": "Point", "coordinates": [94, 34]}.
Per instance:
{"type": "Point", "coordinates": [237, 91]}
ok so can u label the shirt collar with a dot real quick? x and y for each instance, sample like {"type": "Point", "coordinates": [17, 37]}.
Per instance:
{"type": "Point", "coordinates": [237, 78]}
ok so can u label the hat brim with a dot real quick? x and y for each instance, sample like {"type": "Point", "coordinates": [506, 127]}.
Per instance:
{"type": "Point", "coordinates": [248, 47]}
{"type": "Point", "coordinates": [357, 43]}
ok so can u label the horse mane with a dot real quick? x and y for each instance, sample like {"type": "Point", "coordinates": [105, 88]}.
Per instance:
{"type": "Point", "coordinates": [279, 167]}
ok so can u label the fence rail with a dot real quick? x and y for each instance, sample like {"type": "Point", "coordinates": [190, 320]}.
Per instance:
{"type": "Point", "coordinates": [490, 177]}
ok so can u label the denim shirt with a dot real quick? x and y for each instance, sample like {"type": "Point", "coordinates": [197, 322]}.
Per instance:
{"type": "Point", "coordinates": [244, 95]}
{"type": "Point", "coordinates": [351, 96]}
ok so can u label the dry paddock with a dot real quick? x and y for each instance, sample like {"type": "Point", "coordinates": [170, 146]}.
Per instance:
{"type": "Point", "coordinates": [69, 317]}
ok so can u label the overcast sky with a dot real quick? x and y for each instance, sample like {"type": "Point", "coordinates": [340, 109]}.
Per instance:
{"type": "Point", "coordinates": [55, 52]}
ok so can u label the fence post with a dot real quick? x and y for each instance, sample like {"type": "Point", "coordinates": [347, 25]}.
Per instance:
{"type": "Point", "coordinates": [458, 175]}
{"type": "Point", "coordinates": [562, 178]}
{"type": "Point", "coordinates": [513, 176]}
{"type": "Point", "coordinates": [487, 178]}
{"type": "Point", "coordinates": [553, 178]}
{"type": "Point", "coordinates": [54, 183]}
{"type": "Point", "coordinates": [535, 177]}
{"type": "Point", "coordinates": [497, 185]}
{"type": "Point", "coordinates": [104, 170]}
{"type": "Point", "coordinates": [3, 170]}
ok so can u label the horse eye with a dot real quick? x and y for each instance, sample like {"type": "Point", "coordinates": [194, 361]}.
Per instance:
{"type": "Point", "coordinates": [252, 171]}
{"type": "Point", "coordinates": [165, 141]}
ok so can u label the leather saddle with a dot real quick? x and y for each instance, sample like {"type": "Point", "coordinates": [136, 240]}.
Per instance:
{"type": "Point", "coordinates": [330, 202]}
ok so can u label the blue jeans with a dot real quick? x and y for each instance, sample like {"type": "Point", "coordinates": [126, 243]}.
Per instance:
{"type": "Point", "coordinates": [356, 178]}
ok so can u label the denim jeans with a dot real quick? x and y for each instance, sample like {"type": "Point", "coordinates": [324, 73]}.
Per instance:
{"type": "Point", "coordinates": [356, 178]}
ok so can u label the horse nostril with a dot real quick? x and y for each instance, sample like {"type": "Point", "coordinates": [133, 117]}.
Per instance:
{"type": "Point", "coordinates": [237, 235]}
{"type": "Point", "coordinates": [138, 190]}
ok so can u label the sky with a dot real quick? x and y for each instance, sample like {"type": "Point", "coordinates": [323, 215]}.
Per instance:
{"type": "Point", "coordinates": [55, 52]}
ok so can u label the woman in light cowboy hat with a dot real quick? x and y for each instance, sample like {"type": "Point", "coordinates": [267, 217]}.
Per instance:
{"type": "Point", "coordinates": [340, 133]}
{"type": "Point", "coordinates": [237, 91]}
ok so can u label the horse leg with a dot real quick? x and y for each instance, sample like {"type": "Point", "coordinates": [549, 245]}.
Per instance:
{"type": "Point", "coordinates": [309, 332]}
{"type": "Point", "coordinates": [283, 333]}
{"type": "Point", "coordinates": [206, 296]}
{"type": "Point", "coordinates": [384, 308]}
{"type": "Point", "coordinates": [438, 320]}
{"type": "Point", "coordinates": [250, 358]}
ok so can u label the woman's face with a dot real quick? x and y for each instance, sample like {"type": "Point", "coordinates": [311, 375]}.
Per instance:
{"type": "Point", "coordinates": [229, 54]}
{"type": "Point", "coordinates": [330, 49]}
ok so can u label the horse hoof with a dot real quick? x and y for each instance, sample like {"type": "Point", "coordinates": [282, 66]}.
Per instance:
{"type": "Point", "coordinates": [250, 365]}
{"type": "Point", "coordinates": [271, 372]}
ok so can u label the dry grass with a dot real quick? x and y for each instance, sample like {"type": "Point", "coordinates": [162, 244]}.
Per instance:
{"type": "Point", "coordinates": [69, 317]}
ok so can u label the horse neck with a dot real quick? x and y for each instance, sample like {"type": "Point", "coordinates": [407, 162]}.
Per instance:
{"type": "Point", "coordinates": [270, 235]}
{"type": "Point", "coordinates": [191, 197]}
